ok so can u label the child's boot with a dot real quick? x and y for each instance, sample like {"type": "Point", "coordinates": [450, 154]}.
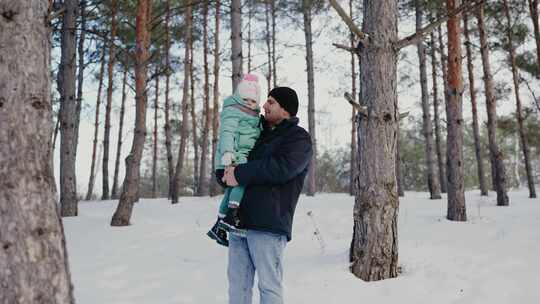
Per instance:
{"type": "Point", "coordinates": [218, 234]}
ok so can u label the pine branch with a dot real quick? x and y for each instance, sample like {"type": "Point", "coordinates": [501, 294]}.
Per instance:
{"type": "Point", "coordinates": [348, 20]}
{"type": "Point", "coordinates": [419, 35]}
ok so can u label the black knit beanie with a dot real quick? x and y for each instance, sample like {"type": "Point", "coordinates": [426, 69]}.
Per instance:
{"type": "Point", "coordinates": [287, 98]}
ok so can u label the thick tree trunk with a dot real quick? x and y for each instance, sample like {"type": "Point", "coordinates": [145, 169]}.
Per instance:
{"type": "Point", "coordinates": [194, 136]}
{"type": "Point", "coordinates": [519, 115]}
{"type": "Point", "coordinates": [472, 90]}
{"type": "Point", "coordinates": [312, 173]}
{"type": "Point", "coordinates": [215, 117]}
{"type": "Point", "coordinates": [155, 146]}
{"type": "Point", "coordinates": [130, 189]}
{"type": "Point", "coordinates": [375, 245]}
{"type": "Point", "coordinates": [533, 8]}
{"type": "Point", "coordinates": [33, 257]}
{"type": "Point", "coordinates": [427, 128]}
{"type": "Point", "coordinates": [454, 121]}
{"type": "Point", "coordinates": [68, 111]}
{"type": "Point", "coordinates": [496, 158]}
{"type": "Point", "coordinates": [185, 107]}
{"type": "Point", "coordinates": [354, 145]}
{"type": "Point", "coordinates": [438, 132]}
{"type": "Point", "coordinates": [236, 42]}
{"type": "Point", "coordinates": [114, 192]}
{"type": "Point", "coordinates": [91, 180]}
{"type": "Point", "coordinates": [203, 175]}
{"type": "Point", "coordinates": [399, 177]}
{"type": "Point", "coordinates": [167, 127]}
{"type": "Point", "coordinates": [107, 129]}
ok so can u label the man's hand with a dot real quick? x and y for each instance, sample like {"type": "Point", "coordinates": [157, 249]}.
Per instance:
{"type": "Point", "coordinates": [228, 177]}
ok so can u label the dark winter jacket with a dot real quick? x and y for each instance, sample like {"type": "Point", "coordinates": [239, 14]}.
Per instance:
{"type": "Point", "coordinates": [274, 177]}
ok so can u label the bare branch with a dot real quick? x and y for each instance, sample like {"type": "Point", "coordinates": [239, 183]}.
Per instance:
{"type": "Point", "coordinates": [348, 20]}
{"type": "Point", "coordinates": [419, 35]}
{"type": "Point", "coordinates": [344, 47]}
{"type": "Point", "coordinates": [356, 106]}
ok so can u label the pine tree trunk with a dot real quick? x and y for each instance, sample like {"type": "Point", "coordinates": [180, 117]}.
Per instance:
{"type": "Point", "coordinates": [399, 177]}
{"type": "Point", "coordinates": [130, 189]}
{"type": "Point", "coordinates": [68, 111]}
{"type": "Point", "coordinates": [194, 135]}
{"type": "Point", "coordinates": [519, 115]}
{"type": "Point", "coordinates": [167, 128]}
{"type": "Point", "coordinates": [114, 192]}
{"type": "Point", "coordinates": [438, 132]}
{"type": "Point", "coordinates": [533, 8]}
{"type": "Point", "coordinates": [472, 89]}
{"type": "Point", "coordinates": [454, 120]}
{"type": "Point", "coordinates": [203, 175]}
{"type": "Point", "coordinates": [91, 180]}
{"type": "Point", "coordinates": [249, 39]}
{"type": "Point", "coordinates": [34, 266]}
{"type": "Point", "coordinates": [236, 42]}
{"type": "Point", "coordinates": [107, 129]}
{"type": "Point", "coordinates": [56, 129]}
{"type": "Point", "coordinates": [375, 245]}
{"type": "Point", "coordinates": [311, 182]}
{"type": "Point", "coordinates": [427, 128]}
{"type": "Point", "coordinates": [274, 59]}
{"type": "Point", "coordinates": [353, 113]}
{"type": "Point", "coordinates": [215, 117]}
{"type": "Point", "coordinates": [155, 146]}
{"type": "Point", "coordinates": [185, 107]}
{"type": "Point", "coordinates": [268, 44]}
{"type": "Point", "coordinates": [81, 66]}
{"type": "Point", "coordinates": [496, 158]}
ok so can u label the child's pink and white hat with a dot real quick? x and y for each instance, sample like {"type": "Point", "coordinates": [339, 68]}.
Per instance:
{"type": "Point", "coordinates": [249, 88]}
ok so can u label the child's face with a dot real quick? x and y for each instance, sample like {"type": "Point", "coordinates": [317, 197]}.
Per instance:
{"type": "Point", "coordinates": [251, 103]}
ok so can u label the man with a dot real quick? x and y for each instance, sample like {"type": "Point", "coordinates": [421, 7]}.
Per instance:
{"type": "Point", "coordinates": [273, 177]}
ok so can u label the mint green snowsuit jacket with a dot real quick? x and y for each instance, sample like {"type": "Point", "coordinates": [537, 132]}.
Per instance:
{"type": "Point", "coordinates": [238, 130]}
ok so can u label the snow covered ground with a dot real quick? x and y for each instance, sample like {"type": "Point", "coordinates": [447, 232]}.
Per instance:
{"type": "Point", "coordinates": [165, 257]}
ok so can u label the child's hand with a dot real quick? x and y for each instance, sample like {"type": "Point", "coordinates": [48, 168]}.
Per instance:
{"type": "Point", "coordinates": [227, 158]}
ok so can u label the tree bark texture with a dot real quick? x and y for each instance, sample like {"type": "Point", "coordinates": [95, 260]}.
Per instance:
{"type": "Point", "coordinates": [194, 134]}
{"type": "Point", "coordinates": [249, 37]}
{"type": "Point", "coordinates": [203, 174]}
{"type": "Point", "coordinates": [427, 127]}
{"type": "Point", "coordinates": [185, 107]}
{"type": "Point", "coordinates": [130, 189]}
{"type": "Point", "coordinates": [375, 245]}
{"type": "Point", "coordinates": [312, 173]}
{"type": "Point", "coordinates": [268, 43]}
{"type": "Point", "coordinates": [68, 111]}
{"type": "Point", "coordinates": [114, 191]}
{"type": "Point", "coordinates": [519, 114]}
{"type": "Point", "coordinates": [454, 121]}
{"type": "Point", "coordinates": [495, 154]}
{"type": "Point", "coordinates": [33, 259]}
{"type": "Point", "coordinates": [155, 145]}
{"type": "Point", "coordinates": [214, 187]}
{"type": "Point", "coordinates": [236, 42]}
{"type": "Point", "coordinates": [167, 127]}
{"type": "Point", "coordinates": [91, 180]}
{"type": "Point", "coordinates": [107, 128]}
{"type": "Point", "coordinates": [472, 90]}
{"type": "Point", "coordinates": [274, 59]}
{"type": "Point", "coordinates": [354, 145]}
{"type": "Point", "coordinates": [533, 8]}
{"type": "Point", "coordinates": [436, 116]}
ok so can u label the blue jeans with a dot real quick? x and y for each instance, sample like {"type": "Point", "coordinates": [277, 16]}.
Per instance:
{"type": "Point", "coordinates": [260, 252]}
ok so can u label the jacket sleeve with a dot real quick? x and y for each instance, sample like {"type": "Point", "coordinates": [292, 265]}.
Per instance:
{"type": "Point", "coordinates": [229, 126]}
{"type": "Point", "coordinates": [287, 161]}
